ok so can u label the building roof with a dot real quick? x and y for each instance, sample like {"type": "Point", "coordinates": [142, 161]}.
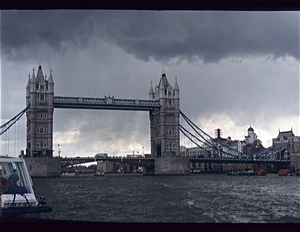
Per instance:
{"type": "Point", "coordinates": [250, 129]}
{"type": "Point", "coordinates": [286, 133]}
{"type": "Point", "coordinates": [39, 75]}
{"type": "Point", "coordinates": [220, 140]}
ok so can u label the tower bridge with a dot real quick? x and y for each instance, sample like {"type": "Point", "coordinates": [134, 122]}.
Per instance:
{"type": "Point", "coordinates": [163, 106]}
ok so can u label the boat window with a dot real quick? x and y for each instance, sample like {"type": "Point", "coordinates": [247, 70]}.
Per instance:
{"type": "Point", "coordinates": [9, 168]}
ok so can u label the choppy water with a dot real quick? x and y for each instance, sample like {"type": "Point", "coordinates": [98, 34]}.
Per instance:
{"type": "Point", "coordinates": [193, 198]}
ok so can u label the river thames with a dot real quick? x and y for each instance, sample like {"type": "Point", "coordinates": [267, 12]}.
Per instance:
{"type": "Point", "coordinates": [196, 198]}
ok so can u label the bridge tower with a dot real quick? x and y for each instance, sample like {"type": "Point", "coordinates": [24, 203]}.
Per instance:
{"type": "Point", "coordinates": [39, 95]}
{"type": "Point", "coordinates": [164, 122]}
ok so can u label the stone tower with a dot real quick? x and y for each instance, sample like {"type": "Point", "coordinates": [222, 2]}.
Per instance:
{"type": "Point", "coordinates": [39, 95]}
{"type": "Point", "coordinates": [164, 122]}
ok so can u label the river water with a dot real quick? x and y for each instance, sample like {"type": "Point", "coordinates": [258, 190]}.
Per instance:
{"type": "Point", "coordinates": [215, 198]}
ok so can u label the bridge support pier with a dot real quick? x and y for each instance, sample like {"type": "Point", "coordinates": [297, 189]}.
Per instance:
{"type": "Point", "coordinates": [148, 171]}
{"type": "Point", "coordinates": [43, 166]}
{"type": "Point", "coordinates": [172, 166]}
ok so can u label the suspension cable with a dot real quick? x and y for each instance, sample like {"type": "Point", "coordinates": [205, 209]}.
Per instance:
{"type": "Point", "coordinates": [214, 144]}
{"type": "Point", "coordinates": [12, 121]}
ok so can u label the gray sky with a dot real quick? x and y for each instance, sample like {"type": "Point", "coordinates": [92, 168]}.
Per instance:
{"type": "Point", "coordinates": [233, 68]}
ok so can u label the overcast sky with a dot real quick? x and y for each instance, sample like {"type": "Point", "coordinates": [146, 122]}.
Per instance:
{"type": "Point", "coordinates": [233, 68]}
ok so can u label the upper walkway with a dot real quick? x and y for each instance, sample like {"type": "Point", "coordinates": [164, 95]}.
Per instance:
{"type": "Point", "coordinates": [109, 103]}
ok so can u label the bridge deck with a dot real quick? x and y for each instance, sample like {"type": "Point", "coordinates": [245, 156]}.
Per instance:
{"type": "Point", "coordinates": [239, 161]}
{"type": "Point", "coordinates": [143, 162]}
{"type": "Point", "coordinates": [149, 162]}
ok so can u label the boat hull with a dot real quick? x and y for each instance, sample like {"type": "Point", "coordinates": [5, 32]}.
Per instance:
{"type": "Point", "coordinates": [25, 210]}
{"type": "Point", "coordinates": [261, 172]}
{"type": "Point", "coordinates": [284, 172]}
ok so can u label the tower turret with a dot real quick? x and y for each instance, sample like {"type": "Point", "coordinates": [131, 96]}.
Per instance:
{"type": "Point", "coordinates": [28, 86]}
{"type": "Point", "coordinates": [162, 84]}
{"type": "Point", "coordinates": [151, 92]}
{"type": "Point", "coordinates": [176, 88]}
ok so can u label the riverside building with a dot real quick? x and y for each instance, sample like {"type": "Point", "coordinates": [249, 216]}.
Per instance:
{"type": "Point", "coordinates": [249, 145]}
{"type": "Point", "coordinates": [293, 151]}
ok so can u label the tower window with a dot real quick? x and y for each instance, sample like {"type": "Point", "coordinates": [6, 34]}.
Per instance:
{"type": "Point", "coordinates": [42, 86]}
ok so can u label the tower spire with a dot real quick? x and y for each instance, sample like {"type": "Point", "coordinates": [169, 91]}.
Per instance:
{"type": "Point", "coordinates": [151, 92]}
{"type": "Point", "coordinates": [33, 76]}
{"type": "Point", "coordinates": [176, 85]}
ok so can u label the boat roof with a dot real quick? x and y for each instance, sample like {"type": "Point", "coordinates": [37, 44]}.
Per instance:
{"type": "Point", "coordinates": [9, 159]}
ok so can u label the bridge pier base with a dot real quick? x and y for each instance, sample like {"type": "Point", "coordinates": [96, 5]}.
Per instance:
{"type": "Point", "coordinates": [148, 171]}
{"type": "Point", "coordinates": [172, 166]}
{"type": "Point", "coordinates": [43, 166]}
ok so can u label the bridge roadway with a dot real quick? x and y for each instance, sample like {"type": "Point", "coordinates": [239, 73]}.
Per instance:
{"type": "Point", "coordinates": [149, 162]}
{"type": "Point", "coordinates": [143, 162]}
{"type": "Point", "coordinates": [239, 161]}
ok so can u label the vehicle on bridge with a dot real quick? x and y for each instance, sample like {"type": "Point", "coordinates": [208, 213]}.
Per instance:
{"type": "Point", "coordinates": [18, 199]}
{"type": "Point", "coordinates": [101, 155]}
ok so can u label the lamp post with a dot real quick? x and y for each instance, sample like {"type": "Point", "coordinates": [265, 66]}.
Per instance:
{"type": "Point", "coordinates": [58, 151]}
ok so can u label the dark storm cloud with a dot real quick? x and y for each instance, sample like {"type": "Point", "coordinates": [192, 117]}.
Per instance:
{"type": "Point", "coordinates": [30, 29]}
{"type": "Point", "coordinates": [162, 36]}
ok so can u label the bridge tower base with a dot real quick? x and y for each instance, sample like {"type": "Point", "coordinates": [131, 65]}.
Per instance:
{"type": "Point", "coordinates": [172, 166]}
{"type": "Point", "coordinates": [169, 166]}
{"type": "Point", "coordinates": [43, 166]}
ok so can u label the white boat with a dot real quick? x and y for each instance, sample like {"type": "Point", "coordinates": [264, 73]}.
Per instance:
{"type": "Point", "coordinates": [99, 172]}
{"type": "Point", "coordinates": [17, 198]}
{"type": "Point", "coordinates": [139, 170]}
{"type": "Point", "coordinates": [68, 174]}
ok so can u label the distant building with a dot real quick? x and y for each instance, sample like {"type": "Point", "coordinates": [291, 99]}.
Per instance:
{"type": "Point", "coordinates": [251, 137]}
{"type": "Point", "coordinates": [293, 151]}
{"type": "Point", "coordinates": [250, 145]}
{"type": "Point", "coordinates": [255, 147]}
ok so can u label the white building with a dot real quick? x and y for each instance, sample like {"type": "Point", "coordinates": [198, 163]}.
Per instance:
{"type": "Point", "coordinates": [251, 137]}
